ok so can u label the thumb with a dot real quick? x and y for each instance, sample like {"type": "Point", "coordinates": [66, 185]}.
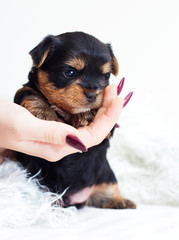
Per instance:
{"type": "Point", "coordinates": [47, 139]}
{"type": "Point", "coordinates": [49, 131]}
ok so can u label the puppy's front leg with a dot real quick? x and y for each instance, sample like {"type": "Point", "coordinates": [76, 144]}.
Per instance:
{"type": "Point", "coordinates": [35, 104]}
{"type": "Point", "coordinates": [106, 195]}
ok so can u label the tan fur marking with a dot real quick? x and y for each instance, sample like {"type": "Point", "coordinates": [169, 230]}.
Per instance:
{"type": "Point", "coordinates": [77, 63]}
{"type": "Point", "coordinates": [106, 68]}
{"type": "Point", "coordinates": [43, 58]}
{"type": "Point", "coordinates": [36, 105]}
{"type": "Point", "coordinates": [108, 136]}
{"type": "Point", "coordinates": [108, 196]}
{"type": "Point", "coordinates": [115, 69]}
{"type": "Point", "coordinates": [83, 119]}
{"type": "Point", "coordinates": [39, 108]}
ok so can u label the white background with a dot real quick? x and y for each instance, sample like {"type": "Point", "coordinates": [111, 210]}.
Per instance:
{"type": "Point", "coordinates": [144, 35]}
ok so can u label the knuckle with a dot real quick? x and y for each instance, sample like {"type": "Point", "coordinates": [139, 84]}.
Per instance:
{"type": "Point", "coordinates": [50, 136]}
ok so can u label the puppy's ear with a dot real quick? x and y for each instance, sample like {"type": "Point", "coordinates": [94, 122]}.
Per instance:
{"type": "Point", "coordinates": [115, 65]}
{"type": "Point", "coordinates": [43, 50]}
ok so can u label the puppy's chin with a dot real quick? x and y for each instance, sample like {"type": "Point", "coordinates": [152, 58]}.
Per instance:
{"type": "Point", "coordinates": [86, 107]}
{"type": "Point", "coordinates": [80, 110]}
{"type": "Point", "coordinates": [66, 113]}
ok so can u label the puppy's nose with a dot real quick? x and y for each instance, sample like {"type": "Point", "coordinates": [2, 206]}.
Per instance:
{"type": "Point", "coordinates": [91, 97]}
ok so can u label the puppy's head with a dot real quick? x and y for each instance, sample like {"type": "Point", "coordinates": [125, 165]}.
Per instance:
{"type": "Point", "coordinates": [73, 70]}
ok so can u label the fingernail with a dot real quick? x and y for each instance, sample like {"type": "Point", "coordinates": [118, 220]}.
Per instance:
{"type": "Point", "coordinates": [75, 142]}
{"type": "Point", "coordinates": [120, 86]}
{"type": "Point", "coordinates": [127, 98]}
{"type": "Point", "coordinates": [117, 125]}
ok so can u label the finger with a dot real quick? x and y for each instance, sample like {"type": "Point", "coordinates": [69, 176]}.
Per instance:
{"type": "Point", "coordinates": [48, 139]}
{"type": "Point", "coordinates": [110, 93]}
{"type": "Point", "coordinates": [103, 123]}
{"type": "Point", "coordinates": [48, 151]}
{"type": "Point", "coordinates": [49, 131]}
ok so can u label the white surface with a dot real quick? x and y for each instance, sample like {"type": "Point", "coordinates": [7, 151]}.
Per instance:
{"type": "Point", "coordinates": [145, 150]}
{"type": "Point", "coordinates": [147, 222]}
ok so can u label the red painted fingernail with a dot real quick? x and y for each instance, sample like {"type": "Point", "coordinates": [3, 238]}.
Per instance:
{"type": "Point", "coordinates": [120, 86]}
{"type": "Point", "coordinates": [75, 142]}
{"type": "Point", "coordinates": [127, 98]}
{"type": "Point", "coordinates": [117, 125]}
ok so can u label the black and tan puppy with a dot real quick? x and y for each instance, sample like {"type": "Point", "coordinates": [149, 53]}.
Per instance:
{"type": "Point", "coordinates": [67, 81]}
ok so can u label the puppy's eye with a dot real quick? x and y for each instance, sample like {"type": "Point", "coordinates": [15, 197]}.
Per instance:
{"type": "Point", "coordinates": [69, 73]}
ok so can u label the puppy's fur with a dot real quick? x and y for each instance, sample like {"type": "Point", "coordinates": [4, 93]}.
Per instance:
{"type": "Point", "coordinates": [67, 81]}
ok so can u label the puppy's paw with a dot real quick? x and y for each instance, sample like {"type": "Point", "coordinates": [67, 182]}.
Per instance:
{"type": "Point", "coordinates": [122, 203]}
{"type": "Point", "coordinates": [45, 114]}
{"type": "Point", "coordinates": [39, 108]}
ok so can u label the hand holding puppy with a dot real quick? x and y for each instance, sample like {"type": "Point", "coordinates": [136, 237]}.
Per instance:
{"type": "Point", "coordinates": [21, 131]}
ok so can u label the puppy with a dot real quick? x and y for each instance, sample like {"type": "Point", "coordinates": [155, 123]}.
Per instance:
{"type": "Point", "coordinates": [67, 81]}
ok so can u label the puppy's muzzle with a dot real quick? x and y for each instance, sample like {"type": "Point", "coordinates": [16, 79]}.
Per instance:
{"type": "Point", "coordinates": [91, 97]}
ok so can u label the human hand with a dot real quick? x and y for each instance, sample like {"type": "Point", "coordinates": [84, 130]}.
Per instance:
{"type": "Point", "coordinates": [21, 131]}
